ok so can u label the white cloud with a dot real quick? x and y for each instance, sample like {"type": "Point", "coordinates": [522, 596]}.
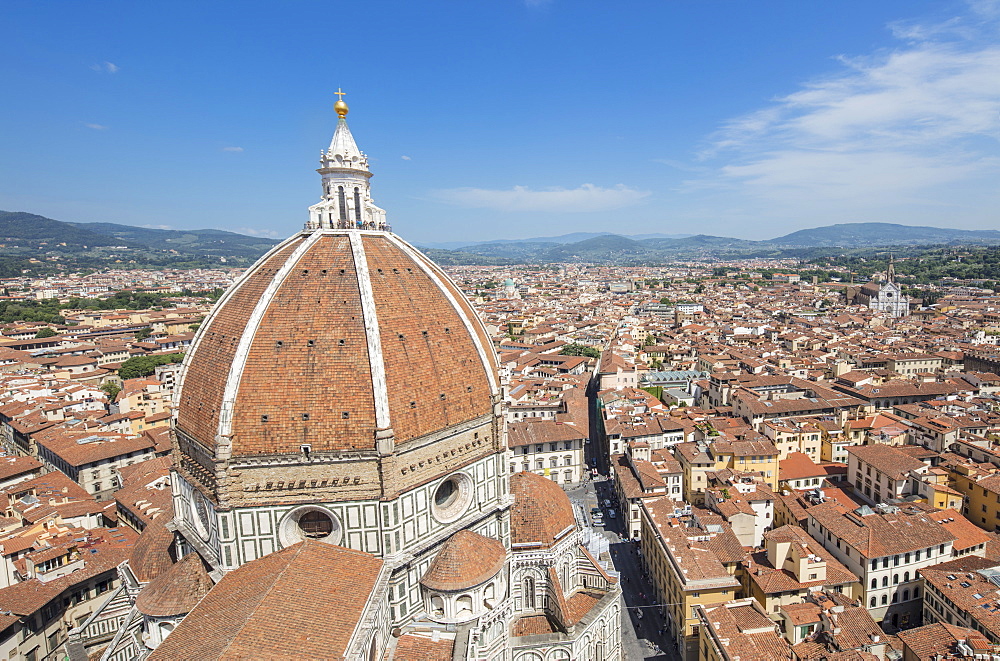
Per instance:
{"type": "Point", "coordinates": [253, 231]}
{"type": "Point", "coordinates": [901, 126]}
{"type": "Point", "coordinates": [106, 67]}
{"type": "Point", "coordinates": [406, 158]}
{"type": "Point", "coordinates": [233, 149]}
{"type": "Point", "coordinates": [587, 197]}
{"type": "Point", "coordinates": [680, 165]}
{"type": "Point", "coordinates": [96, 127]}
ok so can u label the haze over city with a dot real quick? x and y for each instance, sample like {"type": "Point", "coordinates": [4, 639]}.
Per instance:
{"type": "Point", "coordinates": [508, 119]}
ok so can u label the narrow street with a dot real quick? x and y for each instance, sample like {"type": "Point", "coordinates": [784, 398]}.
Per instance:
{"type": "Point", "coordinates": [642, 637]}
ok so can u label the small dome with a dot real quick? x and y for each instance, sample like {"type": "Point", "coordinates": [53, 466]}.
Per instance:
{"type": "Point", "coordinates": [542, 513]}
{"type": "Point", "coordinates": [466, 559]}
{"type": "Point", "coordinates": [177, 590]}
{"type": "Point", "coordinates": [153, 553]}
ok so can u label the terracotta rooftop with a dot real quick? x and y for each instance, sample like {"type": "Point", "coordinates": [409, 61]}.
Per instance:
{"type": "Point", "coordinates": [542, 513]}
{"type": "Point", "coordinates": [153, 553]}
{"type": "Point", "coordinates": [318, 592]}
{"type": "Point", "coordinates": [423, 647]}
{"type": "Point", "coordinates": [177, 590]}
{"type": "Point", "coordinates": [465, 560]}
{"type": "Point", "coordinates": [13, 466]}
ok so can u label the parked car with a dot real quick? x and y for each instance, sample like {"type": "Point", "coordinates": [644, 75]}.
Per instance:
{"type": "Point", "coordinates": [611, 513]}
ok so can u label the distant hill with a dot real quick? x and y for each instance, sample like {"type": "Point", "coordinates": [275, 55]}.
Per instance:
{"type": "Point", "coordinates": [606, 247]}
{"type": "Point", "coordinates": [856, 235]}
{"type": "Point", "coordinates": [209, 242]}
{"type": "Point", "coordinates": [574, 237]}
{"type": "Point", "coordinates": [28, 235]}
{"type": "Point", "coordinates": [28, 230]}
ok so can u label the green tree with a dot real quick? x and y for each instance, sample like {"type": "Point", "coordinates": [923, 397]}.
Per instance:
{"type": "Point", "coordinates": [574, 349]}
{"type": "Point", "coordinates": [143, 333]}
{"type": "Point", "coordinates": [111, 389]}
{"type": "Point", "coordinates": [141, 366]}
{"type": "Point", "coordinates": [45, 332]}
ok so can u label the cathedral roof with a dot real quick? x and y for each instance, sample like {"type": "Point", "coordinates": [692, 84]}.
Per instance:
{"type": "Point", "coordinates": [331, 336]}
{"type": "Point", "coordinates": [301, 602]}
{"type": "Point", "coordinates": [151, 554]}
{"type": "Point", "coordinates": [177, 590]}
{"type": "Point", "coordinates": [465, 560]}
{"type": "Point", "coordinates": [542, 513]}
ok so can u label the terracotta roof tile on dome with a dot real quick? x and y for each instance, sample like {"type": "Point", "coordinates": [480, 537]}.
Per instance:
{"type": "Point", "coordinates": [316, 593]}
{"type": "Point", "coordinates": [294, 332]}
{"type": "Point", "coordinates": [465, 560]}
{"type": "Point", "coordinates": [217, 347]}
{"type": "Point", "coordinates": [177, 590]}
{"type": "Point", "coordinates": [153, 552]}
{"type": "Point", "coordinates": [542, 513]}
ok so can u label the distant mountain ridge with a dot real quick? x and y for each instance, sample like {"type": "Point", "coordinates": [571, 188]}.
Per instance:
{"type": "Point", "coordinates": [608, 247]}
{"type": "Point", "coordinates": [197, 241]}
{"type": "Point", "coordinates": [28, 234]}
{"type": "Point", "coordinates": [855, 235]}
{"type": "Point", "coordinates": [573, 237]}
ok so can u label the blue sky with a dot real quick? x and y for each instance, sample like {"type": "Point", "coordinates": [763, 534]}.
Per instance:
{"type": "Point", "coordinates": [507, 118]}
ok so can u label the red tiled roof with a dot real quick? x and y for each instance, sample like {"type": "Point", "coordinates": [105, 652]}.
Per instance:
{"type": "Point", "coordinates": [317, 592]}
{"type": "Point", "coordinates": [152, 554]}
{"type": "Point", "coordinates": [177, 590]}
{"type": "Point", "coordinates": [542, 513]}
{"type": "Point", "coordinates": [465, 560]}
{"type": "Point", "coordinates": [422, 647]}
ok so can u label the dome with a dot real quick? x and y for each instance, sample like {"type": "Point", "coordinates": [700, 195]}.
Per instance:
{"type": "Point", "coordinates": [541, 514]}
{"type": "Point", "coordinates": [332, 338]}
{"type": "Point", "coordinates": [153, 552]}
{"type": "Point", "coordinates": [177, 590]}
{"type": "Point", "coordinates": [466, 560]}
